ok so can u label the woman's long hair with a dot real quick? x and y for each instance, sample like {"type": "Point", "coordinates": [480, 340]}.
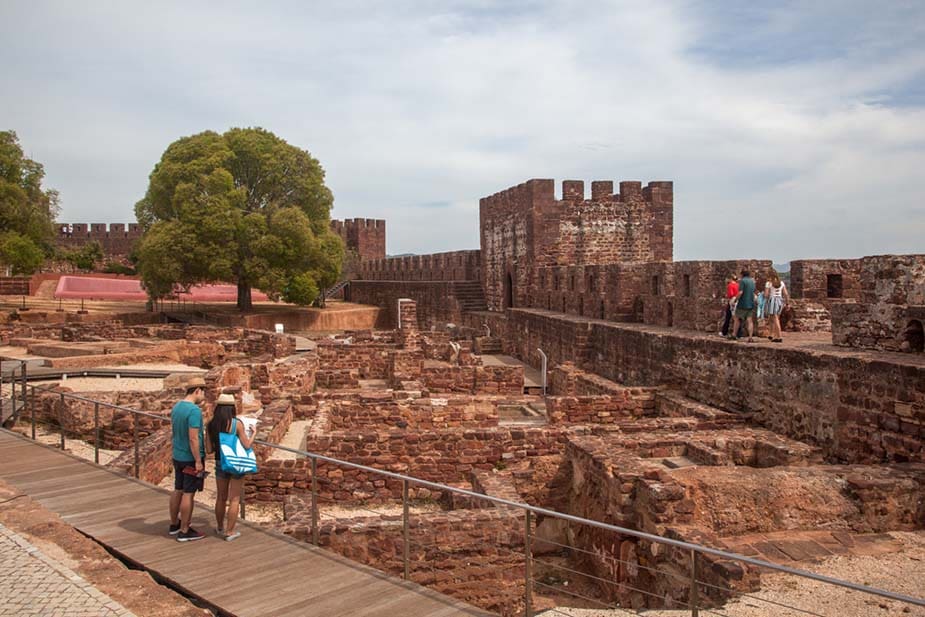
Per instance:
{"type": "Point", "coordinates": [220, 422]}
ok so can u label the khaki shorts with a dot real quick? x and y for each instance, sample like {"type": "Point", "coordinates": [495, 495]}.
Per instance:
{"type": "Point", "coordinates": [744, 314]}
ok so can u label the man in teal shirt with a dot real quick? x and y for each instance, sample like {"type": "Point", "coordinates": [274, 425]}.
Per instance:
{"type": "Point", "coordinates": [745, 307]}
{"type": "Point", "coordinates": [188, 455]}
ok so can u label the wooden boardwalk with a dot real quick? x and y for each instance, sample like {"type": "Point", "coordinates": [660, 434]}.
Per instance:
{"type": "Point", "coordinates": [262, 573]}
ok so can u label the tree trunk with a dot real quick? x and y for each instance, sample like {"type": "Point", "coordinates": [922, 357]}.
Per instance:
{"type": "Point", "coordinates": [244, 297]}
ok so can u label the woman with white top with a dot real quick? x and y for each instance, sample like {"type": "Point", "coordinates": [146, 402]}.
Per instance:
{"type": "Point", "coordinates": [776, 297]}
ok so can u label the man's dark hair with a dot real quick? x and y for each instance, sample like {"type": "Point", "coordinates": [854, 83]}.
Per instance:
{"type": "Point", "coordinates": [191, 389]}
{"type": "Point", "coordinates": [745, 273]}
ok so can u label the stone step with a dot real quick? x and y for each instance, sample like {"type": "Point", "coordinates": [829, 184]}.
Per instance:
{"type": "Point", "coordinates": [673, 404]}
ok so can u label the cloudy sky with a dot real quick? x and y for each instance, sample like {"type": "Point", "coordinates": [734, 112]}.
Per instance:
{"type": "Point", "coordinates": [795, 129]}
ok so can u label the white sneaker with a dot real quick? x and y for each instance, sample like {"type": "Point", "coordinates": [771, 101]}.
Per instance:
{"type": "Point", "coordinates": [232, 536]}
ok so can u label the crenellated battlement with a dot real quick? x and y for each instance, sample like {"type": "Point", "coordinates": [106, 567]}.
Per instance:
{"type": "Point", "coordinates": [525, 227]}
{"type": "Point", "coordinates": [98, 231]}
{"type": "Point", "coordinates": [366, 237]}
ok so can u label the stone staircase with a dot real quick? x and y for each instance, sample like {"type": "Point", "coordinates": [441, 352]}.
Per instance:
{"type": "Point", "coordinates": [470, 296]}
{"type": "Point", "coordinates": [489, 345]}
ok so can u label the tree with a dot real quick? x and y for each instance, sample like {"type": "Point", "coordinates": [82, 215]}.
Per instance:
{"type": "Point", "coordinates": [27, 212]}
{"type": "Point", "coordinates": [243, 207]}
{"type": "Point", "coordinates": [84, 257]}
{"type": "Point", "coordinates": [20, 253]}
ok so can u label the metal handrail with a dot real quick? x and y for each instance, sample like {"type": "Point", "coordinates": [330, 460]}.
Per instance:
{"type": "Point", "coordinates": [528, 509]}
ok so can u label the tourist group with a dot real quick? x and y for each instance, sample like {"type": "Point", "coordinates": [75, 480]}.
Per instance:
{"type": "Point", "coordinates": [745, 306]}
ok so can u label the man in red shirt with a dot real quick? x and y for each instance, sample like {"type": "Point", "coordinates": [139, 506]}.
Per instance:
{"type": "Point", "coordinates": [732, 292]}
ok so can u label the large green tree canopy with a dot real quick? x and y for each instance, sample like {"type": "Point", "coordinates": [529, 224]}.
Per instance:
{"type": "Point", "coordinates": [243, 207]}
{"type": "Point", "coordinates": [27, 212]}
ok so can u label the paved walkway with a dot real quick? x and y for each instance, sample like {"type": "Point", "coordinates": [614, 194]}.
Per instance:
{"type": "Point", "coordinates": [31, 583]}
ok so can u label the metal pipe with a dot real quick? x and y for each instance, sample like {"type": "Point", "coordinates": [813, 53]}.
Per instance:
{"type": "Point", "coordinates": [695, 592]}
{"type": "Point", "coordinates": [96, 433]}
{"type": "Point", "coordinates": [545, 360]}
{"type": "Point", "coordinates": [314, 501]}
{"type": "Point", "coordinates": [32, 413]}
{"type": "Point", "coordinates": [135, 440]}
{"type": "Point", "coordinates": [528, 564]}
{"type": "Point", "coordinates": [405, 549]}
{"type": "Point", "coordinates": [61, 421]}
{"type": "Point", "coordinates": [24, 399]}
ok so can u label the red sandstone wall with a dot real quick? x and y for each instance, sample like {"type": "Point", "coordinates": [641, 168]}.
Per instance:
{"type": "Point", "coordinates": [438, 303]}
{"type": "Point", "coordinates": [453, 266]}
{"type": "Point", "coordinates": [891, 301]}
{"type": "Point", "coordinates": [115, 238]}
{"type": "Point", "coordinates": [855, 409]}
{"type": "Point", "coordinates": [809, 278]}
{"type": "Point", "coordinates": [365, 237]}
{"type": "Point", "coordinates": [525, 226]}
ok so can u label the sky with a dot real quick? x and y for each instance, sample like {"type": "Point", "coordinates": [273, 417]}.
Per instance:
{"type": "Point", "coordinates": [790, 129]}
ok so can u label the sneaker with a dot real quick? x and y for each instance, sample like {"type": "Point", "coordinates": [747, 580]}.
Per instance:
{"type": "Point", "coordinates": [189, 536]}
{"type": "Point", "coordinates": [219, 532]}
{"type": "Point", "coordinates": [232, 536]}
{"type": "Point", "coordinates": [174, 529]}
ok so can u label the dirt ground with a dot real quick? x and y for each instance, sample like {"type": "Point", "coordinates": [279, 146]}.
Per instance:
{"type": "Point", "coordinates": [902, 572]}
{"type": "Point", "coordinates": [134, 589]}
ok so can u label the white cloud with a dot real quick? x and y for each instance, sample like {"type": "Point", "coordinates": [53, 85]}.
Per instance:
{"type": "Point", "coordinates": [411, 103]}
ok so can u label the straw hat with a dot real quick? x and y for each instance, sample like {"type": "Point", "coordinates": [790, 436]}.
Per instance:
{"type": "Point", "coordinates": [225, 399]}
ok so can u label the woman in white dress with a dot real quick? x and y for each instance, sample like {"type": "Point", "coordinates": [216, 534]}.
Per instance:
{"type": "Point", "coordinates": [776, 297]}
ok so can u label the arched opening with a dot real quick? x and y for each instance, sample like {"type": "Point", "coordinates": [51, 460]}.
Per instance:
{"type": "Point", "coordinates": [602, 309]}
{"type": "Point", "coordinates": [670, 315]}
{"type": "Point", "coordinates": [508, 291]}
{"type": "Point", "coordinates": [581, 305]}
{"type": "Point", "coordinates": [915, 336]}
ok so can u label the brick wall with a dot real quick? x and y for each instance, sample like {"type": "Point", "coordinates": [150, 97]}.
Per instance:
{"type": "Point", "coordinates": [443, 455]}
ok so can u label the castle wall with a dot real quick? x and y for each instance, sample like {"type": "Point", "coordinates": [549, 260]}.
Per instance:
{"type": "Point", "coordinates": [117, 239]}
{"type": "Point", "coordinates": [890, 309]}
{"type": "Point", "coordinates": [825, 280]}
{"type": "Point", "coordinates": [525, 227]}
{"type": "Point", "coordinates": [366, 237]}
{"type": "Point", "coordinates": [857, 409]}
{"type": "Point", "coordinates": [452, 266]}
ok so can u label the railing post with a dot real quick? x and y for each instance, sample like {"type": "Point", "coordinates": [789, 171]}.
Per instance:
{"type": "Point", "coordinates": [12, 388]}
{"type": "Point", "coordinates": [24, 398]}
{"type": "Point", "coordinates": [135, 440]}
{"type": "Point", "coordinates": [406, 545]}
{"type": "Point", "coordinates": [61, 420]}
{"type": "Point", "coordinates": [314, 501]}
{"type": "Point", "coordinates": [528, 564]}
{"type": "Point", "coordinates": [695, 592]}
{"type": "Point", "coordinates": [96, 432]}
{"type": "Point", "coordinates": [32, 413]}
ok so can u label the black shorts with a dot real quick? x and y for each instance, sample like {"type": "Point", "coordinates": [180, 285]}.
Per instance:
{"type": "Point", "coordinates": [184, 481]}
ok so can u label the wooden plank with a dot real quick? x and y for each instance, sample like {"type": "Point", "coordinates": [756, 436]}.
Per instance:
{"type": "Point", "coordinates": [283, 577]}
